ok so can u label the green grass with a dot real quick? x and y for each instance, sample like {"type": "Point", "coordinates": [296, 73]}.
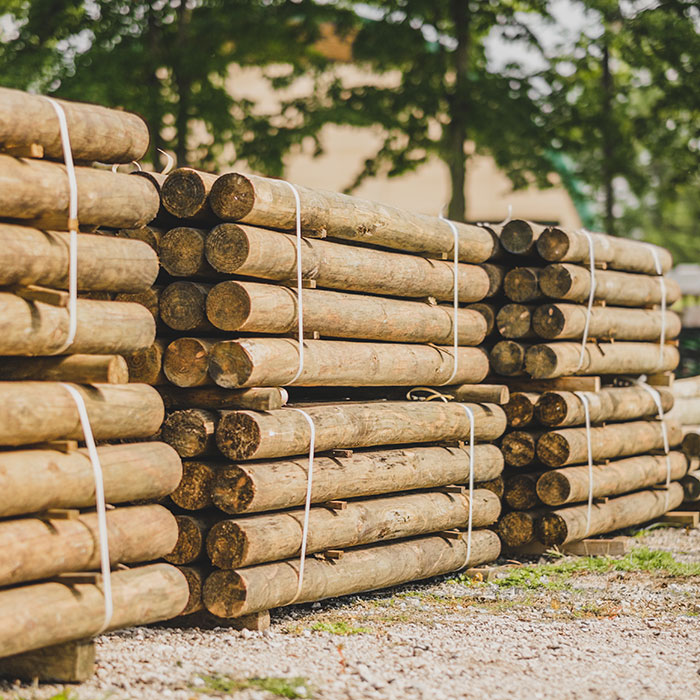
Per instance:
{"type": "Point", "coordinates": [282, 687]}
{"type": "Point", "coordinates": [340, 628]}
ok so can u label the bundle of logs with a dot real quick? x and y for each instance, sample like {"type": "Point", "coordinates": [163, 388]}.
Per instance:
{"type": "Point", "coordinates": [52, 596]}
{"type": "Point", "coordinates": [686, 410]}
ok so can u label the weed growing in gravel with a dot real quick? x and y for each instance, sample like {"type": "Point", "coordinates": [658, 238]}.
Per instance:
{"type": "Point", "coordinates": [341, 628]}
{"type": "Point", "coordinates": [282, 687]}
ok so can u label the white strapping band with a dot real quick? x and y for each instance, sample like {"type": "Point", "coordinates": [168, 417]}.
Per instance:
{"type": "Point", "coordinates": [300, 302]}
{"type": "Point", "coordinates": [591, 297]}
{"type": "Point", "coordinates": [100, 505]}
{"type": "Point", "coordinates": [586, 410]}
{"type": "Point", "coordinates": [455, 301]}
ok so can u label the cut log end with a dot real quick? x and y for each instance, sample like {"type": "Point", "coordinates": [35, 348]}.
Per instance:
{"type": "Point", "coordinates": [238, 435]}
{"type": "Point", "coordinates": [226, 545]}
{"type": "Point", "coordinates": [556, 281]}
{"type": "Point", "coordinates": [234, 490]}
{"type": "Point", "coordinates": [553, 244]}
{"type": "Point", "coordinates": [548, 321]}
{"type": "Point", "coordinates": [228, 305]}
{"type": "Point", "coordinates": [514, 321]}
{"type": "Point", "coordinates": [182, 306]}
{"type": "Point", "coordinates": [189, 541]}
{"type": "Point", "coordinates": [232, 196]}
{"type": "Point", "coordinates": [508, 357]}
{"type": "Point", "coordinates": [194, 490]}
{"type": "Point", "coordinates": [550, 529]}
{"type": "Point", "coordinates": [230, 365]}
{"type": "Point", "coordinates": [225, 594]}
{"type": "Point", "coordinates": [195, 583]}
{"type": "Point", "coordinates": [518, 448]}
{"type": "Point", "coordinates": [520, 285]}
{"type": "Point", "coordinates": [553, 449]}
{"type": "Point", "coordinates": [551, 409]}
{"type": "Point", "coordinates": [183, 193]}
{"type": "Point", "coordinates": [185, 362]}
{"type": "Point", "coordinates": [182, 251]}
{"type": "Point", "coordinates": [188, 431]}
{"type": "Point", "coordinates": [553, 488]}
{"type": "Point", "coordinates": [541, 362]}
{"type": "Point", "coordinates": [517, 237]}
{"type": "Point", "coordinates": [516, 528]}
{"type": "Point", "coordinates": [520, 409]}
{"type": "Point", "coordinates": [227, 247]}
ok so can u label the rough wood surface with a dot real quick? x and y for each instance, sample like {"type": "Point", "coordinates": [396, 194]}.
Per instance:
{"type": "Point", "coordinates": [519, 236]}
{"type": "Point", "coordinates": [181, 253]}
{"type": "Point", "coordinates": [251, 435]}
{"type": "Point", "coordinates": [270, 203]}
{"type": "Point", "coordinates": [149, 299]}
{"type": "Point", "coordinates": [521, 285]}
{"type": "Point", "coordinates": [185, 194]}
{"type": "Point", "coordinates": [146, 365]}
{"type": "Point", "coordinates": [150, 235]}
{"type": "Point", "coordinates": [250, 307]}
{"type": "Point", "coordinates": [558, 527]}
{"type": "Point", "coordinates": [570, 485]}
{"type": "Point", "coordinates": [41, 479]}
{"type": "Point", "coordinates": [186, 361]}
{"type": "Point", "coordinates": [72, 662]}
{"type": "Point", "coordinates": [480, 393]}
{"type": "Point", "coordinates": [191, 431]}
{"type": "Point", "coordinates": [81, 369]}
{"type": "Point", "coordinates": [517, 528]}
{"type": "Point", "coordinates": [496, 274]}
{"type": "Point", "coordinates": [33, 412]}
{"type": "Point", "coordinates": [519, 447]}
{"type": "Point", "coordinates": [37, 191]}
{"type": "Point", "coordinates": [250, 362]}
{"type": "Point", "coordinates": [691, 486]}
{"type": "Point", "coordinates": [256, 399]}
{"type": "Point", "coordinates": [520, 490]}
{"type": "Point", "coordinates": [48, 613]}
{"type": "Point", "coordinates": [191, 538]}
{"type": "Point", "coordinates": [508, 358]}
{"type": "Point", "coordinates": [569, 446]}
{"type": "Point", "coordinates": [261, 486]}
{"type": "Point", "coordinates": [515, 321]}
{"type": "Point", "coordinates": [182, 306]}
{"type": "Point", "coordinates": [194, 492]}
{"type": "Point", "coordinates": [238, 592]}
{"type": "Point", "coordinates": [520, 409]}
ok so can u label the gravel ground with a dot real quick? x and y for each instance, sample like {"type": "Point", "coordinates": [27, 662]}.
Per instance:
{"type": "Point", "coordinates": [617, 634]}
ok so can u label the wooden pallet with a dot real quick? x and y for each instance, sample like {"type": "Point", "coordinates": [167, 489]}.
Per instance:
{"type": "Point", "coordinates": [689, 518]}
{"type": "Point", "coordinates": [72, 662]}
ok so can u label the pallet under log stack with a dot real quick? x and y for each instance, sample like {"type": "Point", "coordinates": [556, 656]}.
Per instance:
{"type": "Point", "coordinates": [52, 598]}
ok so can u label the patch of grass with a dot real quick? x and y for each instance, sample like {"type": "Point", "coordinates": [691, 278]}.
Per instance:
{"type": "Point", "coordinates": [341, 628]}
{"type": "Point", "coordinates": [282, 687]}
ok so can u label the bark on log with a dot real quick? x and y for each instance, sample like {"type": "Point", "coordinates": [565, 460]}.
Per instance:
{"type": "Point", "coordinates": [96, 133]}
{"type": "Point", "coordinates": [249, 307]}
{"type": "Point", "coordinates": [29, 256]}
{"type": "Point", "coordinates": [51, 613]}
{"type": "Point", "coordinates": [181, 253]}
{"type": "Point", "coordinates": [32, 412]}
{"type": "Point", "coordinates": [517, 528]}
{"type": "Point", "coordinates": [37, 191]}
{"type": "Point", "coordinates": [191, 431]}
{"type": "Point", "coordinates": [686, 411]}
{"type": "Point", "coordinates": [262, 486]}
{"type": "Point", "coordinates": [564, 408]}
{"type": "Point", "coordinates": [104, 327]}
{"type": "Point", "coordinates": [272, 537]}
{"type": "Point", "coordinates": [256, 252]}
{"type": "Point", "coordinates": [515, 321]}
{"type": "Point", "coordinates": [691, 487]}
{"type": "Point", "coordinates": [236, 593]}
{"type": "Point", "coordinates": [686, 388]}
{"type": "Point", "coordinates": [81, 369]}
{"type": "Point", "coordinates": [255, 399]}
{"type": "Point", "coordinates": [234, 364]}
{"type": "Point", "coordinates": [270, 203]}
{"type": "Point", "coordinates": [625, 254]}
{"type": "Point", "coordinates": [549, 360]}
{"type": "Point", "coordinates": [521, 285]}
{"type": "Point", "coordinates": [520, 491]}
{"type": "Point", "coordinates": [519, 236]}
{"type": "Point", "coordinates": [569, 446]}
{"type": "Point", "coordinates": [559, 527]}
{"type": "Point", "coordinates": [488, 311]}
{"type": "Point", "coordinates": [519, 447]}
{"type": "Point", "coordinates": [186, 362]}
{"type": "Point", "coordinates": [40, 479]}
{"type": "Point", "coordinates": [183, 306]}
{"type": "Point", "coordinates": [150, 235]}
{"type": "Point", "coordinates": [520, 409]}
{"type": "Point", "coordinates": [573, 283]}
{"type": "Point", "coordinates": [560, 486]}
{"type": "Point", "coordinates": [33, 548]}
{"type": "Point", "coordinates": [185, 194]}
{"type": "Point", "coordinates": [250, 435]}
{"type": "Point", "coordinates": [508, 358]}
{"type": "Point", "coordinates": [190, 543]}
{"type": "Point", "coordinates": [496, 275]}
{"type": "Point", "coordinates": [561, 321]}
{"type": "Point", "coordinates": [146, 366]}
{"type": "Point", "coordinates": [194, 492]}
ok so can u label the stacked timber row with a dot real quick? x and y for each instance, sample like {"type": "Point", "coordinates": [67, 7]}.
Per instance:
{"type": "Point", "coordinates": [540, 357]}
{"type": "Point", "coordinates": [686, 410]}
{"type": "Point", "coordinates": [388, 499]}
{"type": "Point", "coordinates": [49, 539]}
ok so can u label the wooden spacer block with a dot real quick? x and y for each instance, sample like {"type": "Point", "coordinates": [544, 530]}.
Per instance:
{"type": "Point", "coordinates": [335, 505]}
{"type": "Point", "coordinates": [682, 517]}
{"type": "Point", "coordinates": [94, 577]}
{"type": "Point", "coordinates": [611, 546]}
{"type": "Point", "coordinates": [66, 446]}
{"type": "Point", "coordinates": [71, 662]}
{"type": "Point", "coordinates": [305, 284]}
{"type": "Point", "coordinates": [450, 534]}
{"type": "Point", "coordinates": [430, 301]}
{"type": "Point", "coordinates": [31, 150]}
{"type": "Point", "coordinates": [256, 622]}
{"type": "Point", "coordinates": [59, 514]}
{"type": "Point", "coordinates": [661, 379]}
{"type": "Point", "coordinates": [54, 297]}
{"type": "Point", "coordinates": [452, 443]}
{"type": "Point", "coordinates": [341, 453]}
{"type": "Point", "coordinates": [332, 554]}
{"type": "Point", "coordinates": [452, 488]}
{"type": "Point", "coordinates": [601, 501]}
{"type": "Point", "coordinates": [312, 335]}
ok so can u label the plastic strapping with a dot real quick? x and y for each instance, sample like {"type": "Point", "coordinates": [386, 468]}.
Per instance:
{"type": "Point", "coordinates": [591, 297]}
{"type": "Point", "coordinates": [587, 413]}
{"type": "Point", "coordinates": [455, 298]}
{"type": "Point", "coordinates": [100, 504]}
{"type": "Point", "coordinates": [72, 227]}
{"type": "Point", "coordinates": [170, 162]}
{"type": "Point", "coordinates": [662, 285]}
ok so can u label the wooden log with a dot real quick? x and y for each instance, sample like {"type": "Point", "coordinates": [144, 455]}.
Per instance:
{"type": "Point", "coordinates": [195, 576]}
{"type": "Point", "coordinates": [250, 435]}
{"type": "Point", "coordinates": [181, 253]}
{"type": "Point", "coordinates": [520, 491]}
{"type": "Point", "coordinates": [29, 256]}
{"type": "Point", "coordinates": [272, 537]}
{"type": "Point", "coordinates": [488, 311]}
{"type": "Point", "coordinates": [186, 361]}
{"type": "Point", "coordinates": [37, 191]}
{"type": "Point", "coordinates": [558, 527]}
{"type": "Point", "coordinates": [564, 408]}
{"type": "Point", "coordinates": [508, 358]}
{"type": "Point", "coordinates": [569, 446]}
{"type": "Point", "coordinates": [150, 235]}
{"type": "Point", "coordinates": [150, 299]}
{"type": "Point", "coordinates": [54, 612]}
{"type": "Point", "coordinates": [261, 486]}
{"type": "Point", "coordinates": [686, 411]}
{"type": "Point", "coordinates": [72, 662]}
{"type": "Point", "coordinates": [42, 479]}
{"type": "Point", "coordinates": [519, 237]}
{"type": "Point", "coordinates": [182, 306]}
{"type": "Point", "coordinates": [191, 431]}
{"type": "Point", "coordinates": [515, 321]}
{"type": "Point", "coordinates": [255, 399]}
{"type": "Point", "coordinates": [185, 194]}
{"type": "Point", "coordinates": [242, 591]}
{"type": "Point", "coordinates": [480, 393]}
{"type": "Point", "coordinates": [686, 388]}
{"type": "Point", "coordinates": [496, 275]}
{"type": "Point", "coordinates": [33, 412]}
{"type": "Point", "coordinates": [691, 443]}
{"type": "Point", "coordinates": [146, 366]}
{"type": "Point", "coordinates": [194, 492]}
{"type": "Point", "coordinates": [519, 447]}
{"type": "Point", "coordinates": [557, 245]}
{"type": "Point", "coordinates": [691, 486]}
{"type": "Point", "coordinates": [81, 369]}
{"type": "Point", "coordinates": [103, 327]}
{"type": "Point", "coordinates": [521, 285]}
{"type": "Point", "coordinates": [517, 528]}
{"type": "Point", "coordinates": [249, 307]}
{"type": "Point", "coordinates": [190, 544]}
{"type": "Point", "coordinates": [573, 283]}
{"type": "Point", "coordinates": [548, 360]}
{"type": "Point", "coordinates": [34, 548]}
{"type": "Point", "coordinates": [560, 486]}
{"type": "Point", "coordinates": [257, 252]}
{"type": "Point", "coordinates": [561, 321]}
{"type": "Point", "coordinates": [520, 409]}
{"type": "Point", "coordinates": [234, 364]}
{"type": "Point", "coordinates": [496, 485]}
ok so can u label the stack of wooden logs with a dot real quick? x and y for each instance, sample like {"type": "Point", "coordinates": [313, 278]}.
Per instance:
{"type": "Point", "coordinates": [49, 539]}
{"type": "Point", "coordinates": [686, 410]}
{"type": "Point", "coordinates": [542, 321]}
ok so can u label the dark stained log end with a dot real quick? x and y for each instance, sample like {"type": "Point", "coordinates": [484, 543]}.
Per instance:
{"type": "Point", "coordinates": [691, 445]}
{"type": "Point", "coordinates": [230, 365]}
{"type": "Point", "coordinates": [519, 410]}
{"type": "Point", "coordinates": [183, 193]}
{"type": "Point", "coordinates": [518, 448]}
{"type": "Point", "coordinates": [189, 541]}
{"type": "Point", "coordinates": [553, 488]}
{"type": "Point", "coordinates": [226, 544]}
{"type": "Point", "coordinates": [551, 409]}
{"type": "Point", "coordinates": [194, 490]}
{"type": "Point", "coordinates": [553, 449]}
{"type": "Point", "coordinates": [508, 357]}
{"type": "Point", "coordinates": [182, 251]}
{"type": "Point", "coordinates": [228, 305]}
{"type": "Point", "coordinates": [182, 306]}
{"type": "Point", "coordinates": [553, 244]}
{"type": "Point", "coordinates": [496, 486]}
{"type": "Point", "coordinates": [226, 247]}
{"type": "Point", "coordinates": [551, 529]}
{"type": "Point", "coordinates": [555, 281]}
{"type": "Point", "coordinates": [541, 361]}
{"type": "Point", "coordinates": [516, 528]}
{"type": "Point", "coordinates": [520, 285]}
{"type": "Point", "coordinates": [238, 435]}
{"type": "Point", "coordinates": [195, 584]}
{"type": "Point", "coordinates": [232, 196]}
{"type": "Point", "coordinates": [224, 593]}
{"type": "Point", "coordinates": [185, 362]}
{"type": "Point", "coordinates": [517, 237]}
{"type": "Point", "coordinates": [187, 432]}
{"type": "Point", "coordinates": [234, 490]}
{"type": "Point", "coordinates": [488, 312]}
{"type": "Point", "coordinates": [514, 320]}
{"type": "Point", "coordinates": [548, 321]}
{"type": "Point", "coordinates": [521, 491]}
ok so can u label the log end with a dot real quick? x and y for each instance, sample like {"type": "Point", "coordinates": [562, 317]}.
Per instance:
{"type": "Point", "coordinates": [182, 251]}
{"type": "Point", "coordinates": [550, 529]}
{"type": "Point", "coordinates": [226, 247]}
{"type": "Point", "coordinates": [189, 542]}
{"type": "Point", "coordinates": [553, 449]}
{"type": "Point", "coordinates": [185, 362]}
{"type": "Point", "coordinates": [183, 306]}
{"type": "Point", "coordinates": [551, 409]}
{"type": "Point", "coordinates": [548, 321]}
{"type": "Point", "coordinates": [224, 594]}
{"type": "Point", "coordinates": [520, 285]}
{"type": "Point", "coordinates": [187, 431]}
{"type": "Point", "coordinates": [238, 435]}
{"type": "Point", "coordinates": [553, 488]}
{"type": "Point", "coordinates": [518, 448]}
{"type": "Point", "coordinates": [541, 362]}
{"type": "Point", "coordinates": [516, 528]}
{"type": "Point", "coordinates": [234, 489]}
{"type": "Point", "coordinates": [230, 365]}
{"type": "Point", "coordinates": [195, 583]}
{"type": "Point", "coordinates": [514, 321]}
{"type": "Point", "coordinates": [228, 305]}
{"type": "Point", "coordinates": [517, 237]}
{"type": "Point", "coordinates": [232, 196]}
{"type": "Point", "coordinates": [691, 444]}
{"type": "Point", "coordinates": [507, 358]}
{"type": "Point", "coordinates": [519, 410]}
{"type": "Point", "coordinates": [194, 490]}
{"type": "Point", "coordinates": [553, 244]}
{"type": "Point", "coordinates": [556, 281]}
{"type": "Point", "coordinates": [183, 193]}
{"type": "Point", "coordinates": [144, 366]}
{"type": "Point", "coordinates": [227, 544]}
{"type": "Point", "coordinates": [520, 492]}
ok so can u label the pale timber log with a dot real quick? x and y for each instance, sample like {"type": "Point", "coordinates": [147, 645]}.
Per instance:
{"type": "Point", "coordinates": [257, 252]}
{"type": "Point", "coordinates": [186, 361]}
{"type": "Point", "coordinates": [34, 548]}
{"type": "Point", "coordinates": [519, 447]}
{"type": "Point", "coordinates": [103, 327]}
{"type": "Point", "coordinates": [520, 409]}
{"type": "Point", "coordinates": [488, 311]}
{"type": "Point", "coordinates": [29, 256]}
{"type": "Point", "coordinates": [150, 235]}
{"type": "Point", "coordinates": [496, 275]}
{"type": "Point", "coordinates": [255, 399]}
{"type": "Point", "coordinates": [562, 321]}
{"type": "Point", "coordinates": [517, 528]}
{"type": "Point", "coordinates": [564, 408]}
{"type": "Point", "coordinates": [182, 306]}
{"type": "Point", "coordinates": [521, 285]}
{"type": "Point", "coordinates": [181, 253]}
{"type": "Point", "coordinates": [146, 365]}
{"type": "Point", "coordinates": [185, 194]}
{"type": "Point", "coordinates": [691, 486]}
{"type": "Point", "coordinates": [549, 360]}
{"type": "Point", "coordinates": [272, 537]}
{"type": "Point", "coordinates": [33, 412]}
{"type": "Point", "coordinates": [190, 543]}
{"type": "Point", "coordinates": [81, 369]}
{"type": "Point", "coordinates": [270, 203]}
{"type": "Point", "coordinates": [194, 492]}
{"type": "Point", "coordinates": [261, 486]}
{"type": "Point", "coordinates": [520, 490]}
{"type": "Point", "coordinates": [508, 358]}
{"type": "Point", "coordinates": [249, 362]}
{"type": "Point", "coordinates": [686, 411]}
{"type": "Point", "coordinates": [557, 245]}
{"type": "Point", "coordinates": [37, 191]}
{"type": "Point", "coordinates": [573, 283]}
{"type": "Point", "coordinates": [238, 592]}
{"type": "Point", "coordinates": [515, 321]}
{"type": "Point", "coordinates": [569, 446]}
{"type": "Point", "coordinates": [565, 525]}
{"type": "Point", "coordinates": [191, 431]}
{"type": "Point", "coordinates": [519, 236]}
{"type": "Point", "coordinates": [47, 613]}
{"type": "Point", "coordinates": [560, 486]}
{"type": "Point", "coordinates": [251, 435]}
{"type": "Point", "coordinates": [43, 479]}
{"type": "Point", "coordinates": [686, 388]}
{"type": "Point", "coordinates": [250, 307]}
{"type": "Point", "coordinates": [691, 442]}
